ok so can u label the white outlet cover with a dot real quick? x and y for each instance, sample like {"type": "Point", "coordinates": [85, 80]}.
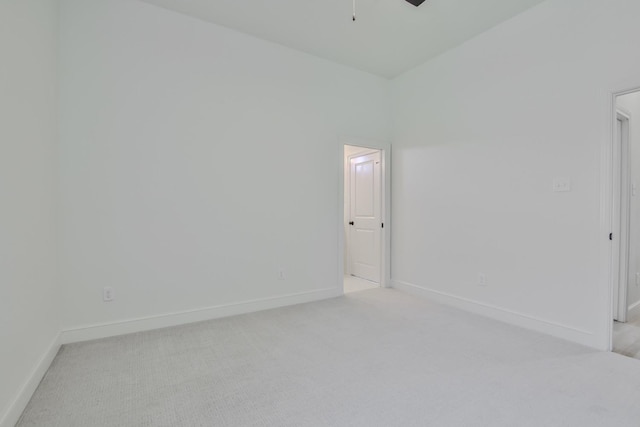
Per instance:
{"type": "Point", "coordinates": [482, 279]}
{"type": "Point", "coordinates": [561, 184]}
{"type": "Point", "coordinates": [107, 294]}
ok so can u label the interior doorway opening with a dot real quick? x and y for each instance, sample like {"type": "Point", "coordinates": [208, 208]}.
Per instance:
{"type": "Point", "coordinates": [364, 217]}
{"type": "Point", "coordinates": [625, 262]}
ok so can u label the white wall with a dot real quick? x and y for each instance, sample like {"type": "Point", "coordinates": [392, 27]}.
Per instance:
{"type": "Point", "coordinates": [631, 104]}
{"type": "Point", "coordinates": [480, 134]}
{"type": "Point", "coordinates": [29, 307]}
{"type": "Point", "coordinates": [196, 161]}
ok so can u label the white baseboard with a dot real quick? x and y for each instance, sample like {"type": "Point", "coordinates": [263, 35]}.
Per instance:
{"type": "Point", "coordinates": [15, 408]}
{"type": "Point", "coordinates": [92, 332]}
{"type": "Point", "coordinates": [502, 314]}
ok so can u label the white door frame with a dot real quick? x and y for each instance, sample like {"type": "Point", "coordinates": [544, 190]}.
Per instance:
{"type": "Point", "coordinates": [621, 217]}
{"type": "Point", "coordinates": [385, 151]}
{"type": "Point", "coordinates": [610, 222]}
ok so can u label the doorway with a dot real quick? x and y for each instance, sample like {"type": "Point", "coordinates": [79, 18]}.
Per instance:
{"type": "Point", "coordinates": [625, 266]}
{"type": "Point", "coordinates": [364, 216]}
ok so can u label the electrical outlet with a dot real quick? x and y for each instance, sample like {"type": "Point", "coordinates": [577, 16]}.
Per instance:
{"type": "Point", "coordinates": [281, 275]}
{"type": "Point", "coordinates": [561, 184]}
{"type": "Point", "coordinates": [482, 279]}
{"type": "Point", "coordinates": [107, 294]}
{"type": "Point", "coordinates": [637, 279]}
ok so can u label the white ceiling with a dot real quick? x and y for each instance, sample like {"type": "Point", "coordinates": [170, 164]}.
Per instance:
{"type": "Point", "coordinates": [388, 37]}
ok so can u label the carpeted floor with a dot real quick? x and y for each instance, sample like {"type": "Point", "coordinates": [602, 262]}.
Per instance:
{"type": "Point", "coordinates": [371, 358]}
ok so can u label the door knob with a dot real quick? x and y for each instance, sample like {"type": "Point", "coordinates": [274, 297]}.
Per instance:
{"type": "Point", "coordinates": [350, 222]}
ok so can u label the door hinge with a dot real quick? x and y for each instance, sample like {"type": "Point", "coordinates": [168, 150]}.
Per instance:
{"type": "Point", "coordinates": [382, 225]}
{"type": "Point", "coordinates": [610, 236]}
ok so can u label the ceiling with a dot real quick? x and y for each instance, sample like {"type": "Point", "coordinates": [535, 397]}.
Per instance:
{"type": "Point", "coordinates": [388, 37]}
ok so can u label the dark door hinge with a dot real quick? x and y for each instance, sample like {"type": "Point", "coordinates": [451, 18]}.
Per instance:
{"type": "Point", "coordinates": [610, 236]}
{"type": "Point", "coordinates": [383, 225]}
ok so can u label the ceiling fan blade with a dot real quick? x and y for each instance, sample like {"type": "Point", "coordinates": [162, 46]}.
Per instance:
{"type": "Point", "coordinates": [416, 2]}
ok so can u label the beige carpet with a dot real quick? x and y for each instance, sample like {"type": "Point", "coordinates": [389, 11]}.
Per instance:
{"type": "Point", "coordinates": [371, 358]}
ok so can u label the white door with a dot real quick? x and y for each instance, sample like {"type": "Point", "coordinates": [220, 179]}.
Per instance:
{"type": "Point", "coordinates": [365, 219]}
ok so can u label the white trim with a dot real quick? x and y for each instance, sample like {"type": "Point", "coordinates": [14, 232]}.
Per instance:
{"type": "Point", "coordinates": [621, 216]}
{"type": "Point", "coordinates": [15, 408]}
{"type": "Point", "coordinates": [104, 330]}
{"type": "Point", "coordinates": [606, 204]}
{"type": "Point", "coordinates": [512, 317]}
{"type": "Point", "coordinates": [385, 148]}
